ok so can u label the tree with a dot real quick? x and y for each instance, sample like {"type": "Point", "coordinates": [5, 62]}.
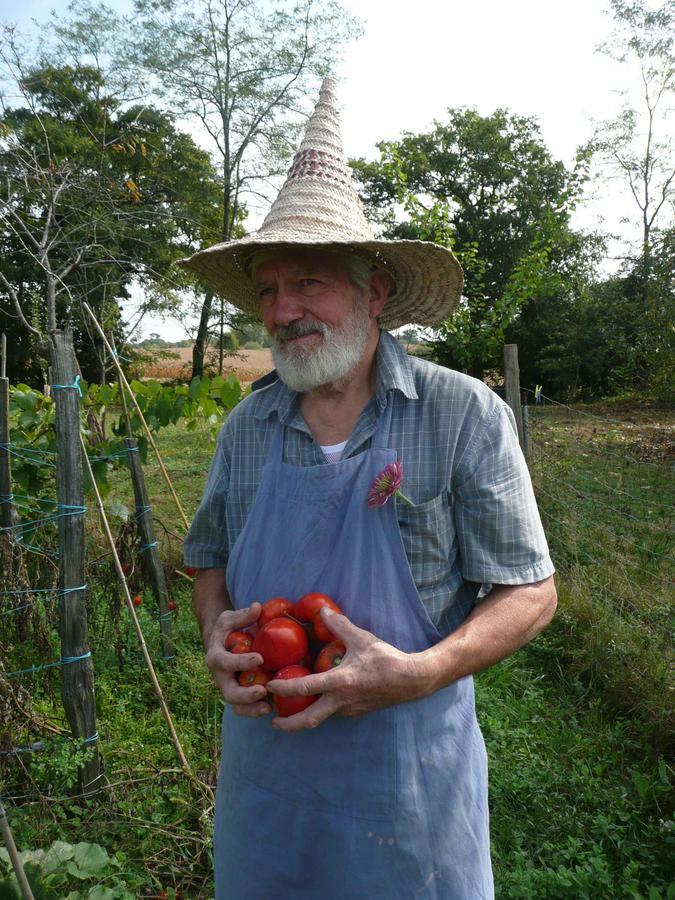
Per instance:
{"type": "Point", "coordinates": [241, 70]}
{"type": "Point", "coordinates": [487, 187]}
{"type": "Point", "coordinates": [93, 198]}
{"type": "Point", "coordinates": [635, 146]}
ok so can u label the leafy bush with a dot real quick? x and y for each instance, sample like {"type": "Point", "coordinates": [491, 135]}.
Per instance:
{"type": "Point", "coordinates": [59, 872]}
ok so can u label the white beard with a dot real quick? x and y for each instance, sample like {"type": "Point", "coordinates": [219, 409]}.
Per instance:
{"type": "Point", "coordinates": [304, 369]}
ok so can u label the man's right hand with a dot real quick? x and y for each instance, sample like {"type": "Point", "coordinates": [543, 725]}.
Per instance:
{"type": "Point", "coordinates": [245, 701]}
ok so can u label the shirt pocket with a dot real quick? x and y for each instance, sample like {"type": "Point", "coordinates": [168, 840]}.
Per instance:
{"type": "Point", "coordinates": [429, 538]}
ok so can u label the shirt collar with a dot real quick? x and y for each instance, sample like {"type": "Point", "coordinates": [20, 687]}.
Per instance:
{"type": "Point", "coordinates": [394, 373]}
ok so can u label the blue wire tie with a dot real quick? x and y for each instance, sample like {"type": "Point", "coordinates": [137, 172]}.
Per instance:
{"type": "Point", "coordinates": [61, 662]}
{"type": "Point", "coordinates": [149, 546]}
{"type": "Point", "coordinates": [164, 617]}
{"type": "Point", "coordinates": [168, 657]}
{"type": "Point", "coordinates": [119, 356]}
{"type": "Point", "coordinates": [91, 739]}
{"type": "Point", "coordinates": [82, 587]}
{"type": "Point", "coordinates": [75, 385]}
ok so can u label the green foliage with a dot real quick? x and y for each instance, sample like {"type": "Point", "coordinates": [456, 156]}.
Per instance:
{"type": "Point", "coordinates": [98, 194]}
{"type": "Point", "coordinates": [32, 417]}
{"type": "Point", "coordinates": [487, 187]}
{"type": "Point", "coordinates": [230, 341]}
{"type": "Point", "coordinates": [58, 872]}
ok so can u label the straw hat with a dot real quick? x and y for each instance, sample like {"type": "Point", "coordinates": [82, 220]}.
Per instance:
{"type": "Point", "coordinates": [318, 206]}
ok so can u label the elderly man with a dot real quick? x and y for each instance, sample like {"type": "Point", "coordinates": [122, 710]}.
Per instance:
{"type": "Point", "coordinates": [379, 788]}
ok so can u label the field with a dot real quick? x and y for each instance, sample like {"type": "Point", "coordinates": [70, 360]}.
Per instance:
{"type": "Point", "coordinates": [247, 365]}
{"type": "Point", "coordinates": [576, 724]}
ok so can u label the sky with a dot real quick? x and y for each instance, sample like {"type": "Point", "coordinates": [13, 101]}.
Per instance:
{"type": "Point", "coordinates": [417, 59]}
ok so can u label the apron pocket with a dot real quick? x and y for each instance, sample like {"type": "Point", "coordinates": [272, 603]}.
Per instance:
{"type": "Point", "coordinates": [347, 765]}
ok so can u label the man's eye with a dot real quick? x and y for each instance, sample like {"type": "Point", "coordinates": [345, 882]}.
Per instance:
{"type": "Point", "coordinates": [264, 291]}
{"type": "Point", "coordinates": [308, 282]}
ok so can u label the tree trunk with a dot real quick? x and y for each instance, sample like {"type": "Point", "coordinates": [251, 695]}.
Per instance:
{"type": "Point", "coordinates": [201, 341]}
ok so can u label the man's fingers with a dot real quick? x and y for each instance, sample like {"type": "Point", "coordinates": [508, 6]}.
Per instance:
{"type": "Point", "coordinates": [312, 717]}
{"type": "Point", "coordinates": [252, 710]}
{"type": "Point", "coordinates": [299, 687]}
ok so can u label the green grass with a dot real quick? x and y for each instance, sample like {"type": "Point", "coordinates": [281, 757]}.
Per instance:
{"type": "Point", "coordinates": [574, 723]}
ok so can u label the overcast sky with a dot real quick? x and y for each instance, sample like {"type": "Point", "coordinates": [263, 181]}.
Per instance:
{"type": "Point", "coordinates": [417, 59]}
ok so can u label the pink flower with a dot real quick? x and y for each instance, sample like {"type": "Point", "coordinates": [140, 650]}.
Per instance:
{"type": "Point", "coordinates": [386, 484]}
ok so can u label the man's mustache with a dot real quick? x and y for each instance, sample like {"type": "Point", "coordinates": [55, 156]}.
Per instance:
{"type": "Point", "coordinates": [299, 329]}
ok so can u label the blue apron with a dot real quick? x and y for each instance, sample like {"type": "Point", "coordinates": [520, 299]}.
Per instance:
{"type": "Point", "coordinates": [387, 806]}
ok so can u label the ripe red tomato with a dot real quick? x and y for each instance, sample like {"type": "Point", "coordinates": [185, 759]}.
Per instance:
{"type": "Point", "coordinates": [172, 605]}
{"type": "Point", "coordinates": [329, 656]}
{"type": "Point", "coordinates": [282, 642]}
{"type": "Point", "coordinates": [288, 706]}
{"type": "Point", "coordinates": [238, 642]}
{"type": "Point", "coordinates": [308, 606]}
{"type": "Point", "coordinates": [138, 600]}
{"type": "Point", "coordinates": [308, 609]}
{"type": "Point", "coordinates": [254, 676]}
{"type": "Point", "coordinates": [273, 609]}
{"type": "Point", "coordinates": [189, 570]}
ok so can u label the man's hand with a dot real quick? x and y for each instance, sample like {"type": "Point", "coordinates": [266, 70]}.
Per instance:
{"type": "Point", "coordinates": [245, 701]}
{"type": "Point", "coordinates": [372, 674]}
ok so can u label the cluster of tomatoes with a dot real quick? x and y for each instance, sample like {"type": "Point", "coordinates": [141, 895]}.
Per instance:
{"type": "Point", "coordinates": [293, 642]}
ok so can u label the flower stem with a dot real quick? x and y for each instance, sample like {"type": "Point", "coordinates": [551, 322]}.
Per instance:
{"type": "Point", "coordinates": [403, 497]}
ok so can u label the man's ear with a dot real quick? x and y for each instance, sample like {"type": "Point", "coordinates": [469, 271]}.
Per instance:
{"type": "Point", "coordinates": [380, 286]}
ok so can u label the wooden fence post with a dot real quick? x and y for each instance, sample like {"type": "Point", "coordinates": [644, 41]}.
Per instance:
{"type": "Point", "coordinates": [151, 559]}
{"type": "Point", "coordinates": [77, 668]}
{"type": "Point", "coordinates": [512, 387]}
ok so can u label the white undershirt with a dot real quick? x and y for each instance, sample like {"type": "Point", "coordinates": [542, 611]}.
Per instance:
{"type": "Point", "coordinates": [333, 452]}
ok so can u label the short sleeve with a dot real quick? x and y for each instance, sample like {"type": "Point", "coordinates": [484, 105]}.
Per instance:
{"type": "Point", "coordinates": [206, 544]}
{"type": "Point", "coordinates": [499, 531]}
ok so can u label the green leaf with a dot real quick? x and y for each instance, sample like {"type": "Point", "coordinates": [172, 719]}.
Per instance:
{"type": "Point", "coordinates": [89, 860]}
{"type": "Point", "coordinates": [103, 893]}
{"type": "Point", "coordinates": [59, 853]}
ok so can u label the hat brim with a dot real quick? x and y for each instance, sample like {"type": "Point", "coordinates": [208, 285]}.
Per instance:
{"type": "Point", "coordinates": [428, 279]}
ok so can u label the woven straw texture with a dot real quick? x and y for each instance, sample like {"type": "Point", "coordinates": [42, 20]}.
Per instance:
{"type": "Point", "coordinates": [318, 206]}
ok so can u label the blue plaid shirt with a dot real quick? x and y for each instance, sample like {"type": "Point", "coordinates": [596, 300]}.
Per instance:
{"type": "Point", "coordinates": [475, 520]}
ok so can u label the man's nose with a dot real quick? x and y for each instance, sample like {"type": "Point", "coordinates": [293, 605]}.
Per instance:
{"type": "Point", "coordinates": [287, 306]}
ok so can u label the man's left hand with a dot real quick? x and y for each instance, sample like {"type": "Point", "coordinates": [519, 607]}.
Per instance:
{"type": "Point", "coordinates": [372, 674]}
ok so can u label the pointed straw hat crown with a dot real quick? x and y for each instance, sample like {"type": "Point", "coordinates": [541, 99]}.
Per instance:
{"type": "Point", "coordinates": [318, 206]}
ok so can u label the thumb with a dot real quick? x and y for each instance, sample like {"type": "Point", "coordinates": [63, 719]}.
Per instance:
{"type": "Point", "coordinates": [339, 625]}
{"type": "Point", "coordinates": [239, 618]}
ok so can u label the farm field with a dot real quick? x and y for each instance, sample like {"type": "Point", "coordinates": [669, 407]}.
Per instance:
{"type": "Point", "coordinates": [575, 724]}
{"type": "Point", "coordinates": [247, 365]}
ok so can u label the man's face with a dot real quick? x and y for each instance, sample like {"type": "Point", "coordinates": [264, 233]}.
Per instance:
{"type": "Point", "coordinates": [319, 321]}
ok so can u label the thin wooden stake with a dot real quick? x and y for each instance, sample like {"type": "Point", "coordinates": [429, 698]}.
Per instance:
{"type": "Point", "coordinates": [185, 766]}
{"type": "Point", "coordinates": [8, 838]}
{"type": "Point", "coordinates": [140, 414]}
{"type": "Point", "coordinates": [8, 514]}
{"type": "Point", "coordinates": [3, 355]}
{"type": "Point", "coordinates": [151, 559]}
{"type": "Point", "coordinates": [152, 562]}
